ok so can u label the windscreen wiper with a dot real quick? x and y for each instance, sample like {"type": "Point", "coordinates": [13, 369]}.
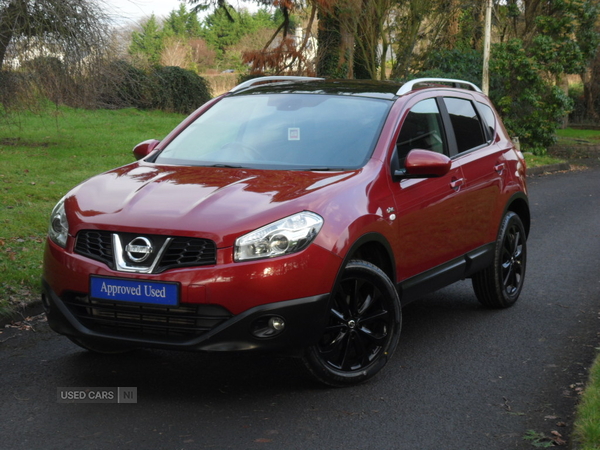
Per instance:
{"type": "Point", "coordinates": [227, 166]}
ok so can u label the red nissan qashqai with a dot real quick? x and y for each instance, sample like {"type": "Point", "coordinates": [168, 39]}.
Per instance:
{"type": "Point", "coordinates": [294, 214]}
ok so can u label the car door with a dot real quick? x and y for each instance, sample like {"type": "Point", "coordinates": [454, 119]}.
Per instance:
{"type": "Point", "coordinates": [429, 225]}
{"type": "Point", "coordinates": [474, 150]}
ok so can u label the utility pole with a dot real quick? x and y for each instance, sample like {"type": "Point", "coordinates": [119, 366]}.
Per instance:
{"type": "Point", "coordinates": [486, 48]}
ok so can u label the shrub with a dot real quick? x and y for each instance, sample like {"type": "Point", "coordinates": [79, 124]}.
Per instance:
{"type": "Point", "coordinates": [178, 90]}
{"type": "Point", "coordinates": [457, 63]}
{"type": "Point", "coordinates": [51, 78]}
{"type": "Point", "coordinates": [579, 112]}
{"type": "Point", "coordinates": [532, 108]}
{"type": "Point", "coordinates": [15, 92]}
{"type": "Point", "coordinates": [123, 85]}
{"type": "Point", "coordinates": [170, 89]}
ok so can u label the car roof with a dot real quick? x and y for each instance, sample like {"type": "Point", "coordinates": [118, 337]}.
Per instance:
{"type": "Point", "coordinates": [364, 88]}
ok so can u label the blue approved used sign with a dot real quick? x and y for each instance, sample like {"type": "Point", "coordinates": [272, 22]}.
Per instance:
{"type": "Point", "coordinates": [134, 291]}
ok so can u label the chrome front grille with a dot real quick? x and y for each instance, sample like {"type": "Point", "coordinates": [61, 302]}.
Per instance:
{"type": "Point", "coordinates": [179, 251]}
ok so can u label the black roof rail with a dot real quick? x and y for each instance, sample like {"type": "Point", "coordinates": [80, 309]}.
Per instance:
{"type": "Point", "coordinates": [409, 85]}
{"type": "Point", "coordinates": [271, 79]}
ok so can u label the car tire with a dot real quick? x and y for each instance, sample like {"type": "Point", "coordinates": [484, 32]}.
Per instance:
{"type": "Point", "coordinates": [499, 285]}
{"type": "Point", "coordinates": [103, 348]}
{"type": "Point", "coordinates": [362, 330]}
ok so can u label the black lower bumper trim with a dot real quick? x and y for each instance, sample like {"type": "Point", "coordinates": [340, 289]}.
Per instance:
{"type": "Point", "coordinates": [304, 318]}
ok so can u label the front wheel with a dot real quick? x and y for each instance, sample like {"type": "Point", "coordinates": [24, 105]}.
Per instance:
{"type": "Point", "coordinates": [362, 330]}
{"type": "Point", "coordinates": [499, 285]}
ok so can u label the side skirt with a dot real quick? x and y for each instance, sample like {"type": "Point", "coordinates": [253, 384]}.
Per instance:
{"type": "Point", "coordinates": [445, 274]}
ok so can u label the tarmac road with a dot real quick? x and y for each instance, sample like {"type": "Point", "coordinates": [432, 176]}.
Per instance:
{"type": "Point", "coordinates": [463, 377]}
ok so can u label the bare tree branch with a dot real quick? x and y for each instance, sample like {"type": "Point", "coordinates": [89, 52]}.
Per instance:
{"type": "Point", "coordinates": [70, 30]}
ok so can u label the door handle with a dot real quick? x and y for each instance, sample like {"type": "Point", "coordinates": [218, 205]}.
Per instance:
{"type": "Point", "coordinates": [457, 183]}
{"type": "Point", "coordinates": [499, 168]}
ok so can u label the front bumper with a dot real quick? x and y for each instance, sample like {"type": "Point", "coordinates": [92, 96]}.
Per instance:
{"type": "Point", "coordinates": [304, 323]}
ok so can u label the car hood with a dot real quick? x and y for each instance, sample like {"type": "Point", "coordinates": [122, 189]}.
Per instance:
{"type": "Point", "coordinates": [214, 203]}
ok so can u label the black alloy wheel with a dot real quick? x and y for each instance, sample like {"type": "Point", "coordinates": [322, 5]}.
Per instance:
{"type": "Point", "coordinates": [362, 329]}
{"type": "Point", "coordinates": [500, 285]}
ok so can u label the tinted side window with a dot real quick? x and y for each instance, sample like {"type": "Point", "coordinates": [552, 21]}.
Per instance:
{"type": "Point", "coordinates": [421, 129]}
{"type": "Point", "coordinates": [488, 117]}
{"type": "Point", "coordinates": [466, 124]}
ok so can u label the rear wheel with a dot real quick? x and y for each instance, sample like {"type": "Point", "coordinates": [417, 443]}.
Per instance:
{"type": "Point", "coordinates": [362, 330]}
{"type": "Point", "coordinates": [499, 285]}
{"type": "Point", "coordinates": [103, 348]}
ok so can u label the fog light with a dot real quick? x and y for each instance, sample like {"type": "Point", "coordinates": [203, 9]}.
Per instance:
{"type": "Point", "coordinates": [268, 326]}
{"type": "Point", "coordinates": [276, 323]}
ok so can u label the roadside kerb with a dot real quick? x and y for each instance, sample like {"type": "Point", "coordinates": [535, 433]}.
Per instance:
{"type": "Point", "coordinates": [533, 171]}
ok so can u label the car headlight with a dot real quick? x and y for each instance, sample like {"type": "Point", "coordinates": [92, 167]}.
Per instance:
{"type": "Point", "coordinates": [288, 235]}
{"type": "Point", "coordinates": [59, 227]}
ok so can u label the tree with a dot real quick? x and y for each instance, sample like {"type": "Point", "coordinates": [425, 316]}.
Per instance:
{"type": "Point", "coordinates": [368, 57]}
{"type": "Point", "coordinates": [202, 56]}
{"type": "Point", "coordinates": [148, 42]}
{"type": "Point", "coordinates": [285, 50]}
{"type": "Point", "coordinates": [590, 33]}
{"type": "Point", "coordinates": [560, 35]}
{"type": "Point", "coordinates": [420, 26]}
{"type": "Point", "coordinates": [280, 53]}
{"type": "Point", "coordinates": [588, 37]}
{"type": "Point", "coordinates": [176, 43]}
{"type": "Point", "coordinates": [338, 26]}
{"type": "Point", "coordinates": [222, 29]}
{"type": "Point", "coordinates": [182, 23]}
{"type": "Point", "coordinates": [225, 28]}
{"type": "Point", "coordinates": [70, 29]}
{"type": "Point", "coordinates": [555, 44]}
{"type": "Point", "coordinates": [532, 108]}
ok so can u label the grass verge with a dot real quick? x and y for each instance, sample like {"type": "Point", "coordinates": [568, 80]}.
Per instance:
{"type": "Point", "coordinates": [537, 161]}
{"type": "Point", "coordinates": [45, 155]}
{"type": "Point", "coordinates": [573, 137]}
{"type": "Point", "coordinates": [587, 423]}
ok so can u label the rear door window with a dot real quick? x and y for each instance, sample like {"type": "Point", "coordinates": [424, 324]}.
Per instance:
{"type": "Point", "coordinates": [467, 126]}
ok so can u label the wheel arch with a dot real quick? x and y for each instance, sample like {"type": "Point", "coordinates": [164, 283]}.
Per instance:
{"type": "Point", "coordinates": [373, 248]}
{"type": "Point", "coordinates": [520, 206]}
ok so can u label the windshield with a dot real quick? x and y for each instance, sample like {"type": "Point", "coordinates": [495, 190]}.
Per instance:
{"type": "Point", "coordinates": [282, 131]}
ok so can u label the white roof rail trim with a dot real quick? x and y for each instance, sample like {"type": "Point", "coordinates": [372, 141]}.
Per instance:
{"type": "Point", "coordinates": [271, 79]}
{"type": "Point", "coordinates": [409, 85]}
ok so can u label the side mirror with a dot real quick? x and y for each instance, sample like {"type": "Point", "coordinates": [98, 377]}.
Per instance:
{"type": "Point", "coordinates": [424, 164]}
{"type": "Point", "coordinates": [143, 149]}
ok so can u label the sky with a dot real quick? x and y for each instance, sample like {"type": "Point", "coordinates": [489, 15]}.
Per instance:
{"type": "Point", "coordinates": [128, 11]}
{"type": "Point", "coordinates": [124, 11]}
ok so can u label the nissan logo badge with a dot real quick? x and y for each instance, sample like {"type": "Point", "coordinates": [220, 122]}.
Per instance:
{"type": "Point", "coordinates": [139, 249]}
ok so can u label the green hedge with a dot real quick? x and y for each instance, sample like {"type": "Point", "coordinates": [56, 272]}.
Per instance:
{"type": "Point", "coordinates": [170, 89]}
{"type": "Point", "coordinates": [178, 90]}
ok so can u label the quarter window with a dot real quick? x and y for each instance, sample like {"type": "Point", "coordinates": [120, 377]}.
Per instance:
{"type": "Point", "coordinates": [488, 117]}
{"type": "Point", "coordinates": [466, 124]}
